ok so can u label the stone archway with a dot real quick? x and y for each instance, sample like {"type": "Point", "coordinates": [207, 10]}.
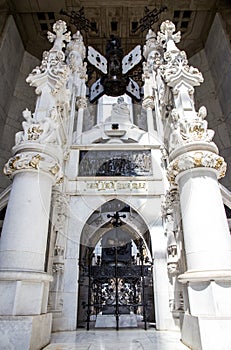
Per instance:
{"type": "Point", "coordinates": [115, 280]}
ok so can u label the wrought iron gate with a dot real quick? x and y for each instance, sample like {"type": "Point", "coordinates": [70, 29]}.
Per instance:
{"type": "Point", "coordinates": [117, 288]}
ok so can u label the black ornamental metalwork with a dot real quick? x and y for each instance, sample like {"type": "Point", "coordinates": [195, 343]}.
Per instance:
{"type": "Point", "coordinates": [78, 19]}
{"type": "Point", "coordinates": [115, 70]}
{"type": "Point", "coordinates": [149, 19]}
{"type": "Point", "coordinates": [118, 287]}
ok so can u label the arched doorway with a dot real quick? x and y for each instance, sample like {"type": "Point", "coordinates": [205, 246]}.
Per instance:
{"type": "Point", "coordinates": [115, 270]}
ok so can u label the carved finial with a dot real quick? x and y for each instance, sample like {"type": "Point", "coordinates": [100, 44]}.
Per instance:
{"type": "Point", "coordinates": [166, 37]}
{"type": "Point", "coordinates": [202, 113]}
{"type": "Point", "coordinates": [151, 43]}
{"type": "Point", "coordinates": [77, 45]}
{"type": "Point", "coordinates": [150, 35]}
{"type": "Point", "coordinates": [59, 28]}
{"type": "Point", "coordinates": [77, 36]}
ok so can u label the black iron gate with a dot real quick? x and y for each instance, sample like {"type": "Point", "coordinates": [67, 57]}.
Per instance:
{"type": "Point", "coordinates": [120, 286]}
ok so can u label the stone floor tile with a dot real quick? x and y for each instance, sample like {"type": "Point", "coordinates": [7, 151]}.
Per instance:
{"type": "Point", "coordinates": [116, 340]}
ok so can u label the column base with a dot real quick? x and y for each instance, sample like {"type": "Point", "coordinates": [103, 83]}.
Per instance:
{"type": "Point", "coordinates": [206, 333]}
{"type": "Point", "coordinates": [25, 332]}
{"type": "Point", "coordinates": [23, 293]}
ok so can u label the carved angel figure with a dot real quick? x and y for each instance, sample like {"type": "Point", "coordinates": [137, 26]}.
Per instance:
{"type": "Point", "coordinates": [20, 136]}
{"type": "Point", "coordinates": [42, 131]}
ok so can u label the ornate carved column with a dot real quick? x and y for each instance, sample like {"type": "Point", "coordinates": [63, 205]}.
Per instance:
{"type": "Point", "coordinates": [36, 165]}
{"type": "Point", "coordinates": [150, 100]}
{"type": "Point", "coordinates": [60, 205]}
{"type": "Point", "coordinates": [195, 167]}
{"type": "Point", "coordinates": [76, 54]}
{"type": "Point", "coordinates": [175, 257]}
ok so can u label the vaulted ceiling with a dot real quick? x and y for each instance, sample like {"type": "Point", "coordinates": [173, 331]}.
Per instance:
{"type": "Point", "coordinates": [122, 19]}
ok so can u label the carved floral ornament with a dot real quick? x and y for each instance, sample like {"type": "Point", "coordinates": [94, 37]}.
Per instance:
{"type": "Point", "coordinates": [196, 159]}
{"type": "Point", "coordinates": [35, 162]}
{"type": "Point", "coordinates": [53, 70]}
{"type": "Point", "coordinates": [60, 29]}
{"type": "Point", "coordinates": [176, 68]}
{"type": "Point", "coordinates": [161, 52]}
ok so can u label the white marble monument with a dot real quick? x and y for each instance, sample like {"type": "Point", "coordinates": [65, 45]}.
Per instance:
{"type": "Point", "coordinates": [164, 169]}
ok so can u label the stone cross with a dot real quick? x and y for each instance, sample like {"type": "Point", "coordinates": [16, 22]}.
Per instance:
{"type": "Point", "coordinates": [167, 38]}
{"type": "Point", "coordinates": [59, 28]}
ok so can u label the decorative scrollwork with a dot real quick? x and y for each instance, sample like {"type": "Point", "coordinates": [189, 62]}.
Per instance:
{"type": "Point", "coordinates": [53, 70]}
{"type": "Point", "coordinates": [33, 161]}
{"type": "Point", "coordinates": [195, 159]}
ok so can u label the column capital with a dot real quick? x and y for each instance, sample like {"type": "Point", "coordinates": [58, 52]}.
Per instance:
{"type": "Point", "coordinates": [196, 159]}
{"type": "Point", "coordinates": [36, 162]}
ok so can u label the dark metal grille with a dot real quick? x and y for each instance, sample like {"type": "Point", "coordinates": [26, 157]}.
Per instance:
{"type": "Point", "coordinates": [115, 289]}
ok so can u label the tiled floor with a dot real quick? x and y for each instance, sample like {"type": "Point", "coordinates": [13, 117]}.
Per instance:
{"type": "Point", "coordinates": [116, 340]}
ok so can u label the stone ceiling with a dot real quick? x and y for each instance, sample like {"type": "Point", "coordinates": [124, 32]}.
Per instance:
{"type": "Point", "coordinates": [120, 18]}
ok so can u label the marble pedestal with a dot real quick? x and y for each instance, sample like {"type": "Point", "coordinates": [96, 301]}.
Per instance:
{"type": "Point", "coordinates": [206, 333]}
{"type": "Point", "coordinates": [23, 293]}
{"type": "Point", "coordinates": [25, 332]}
{"type": "Point", "coordinates": [109, 321]}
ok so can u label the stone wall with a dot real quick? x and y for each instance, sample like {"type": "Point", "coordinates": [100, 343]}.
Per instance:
{"type": "Point", "coordinates": [15, 93]}
{"type": "Point", "coordinates": [214, 61]}
{"type": "Point", "coordinates": [218, 51]}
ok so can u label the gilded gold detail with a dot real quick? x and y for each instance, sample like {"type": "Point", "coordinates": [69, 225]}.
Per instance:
{"type": "Point", "coordinates": [219, 163]}
{"type": "Point", "coordinates": [190, 160]}
{"type": "Point", "coordinates": [175, 165]}
{"type": "Point", "coordinates": [198, 158]}
{"type": "Point", "coordinates": [60, 180]}
{"type": "Point", "coordinates": [13, 163]}
{"type": "Point", "coordinates": [34, 163]}
{"type": "Point", "coordinates": [34, 133]}
{"type": "Point", "coordinates": [55, 169]}
{"type": "Point", "coordinates": [114, 185]}
{"type": "Point", "coordinates": [198, 130]}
